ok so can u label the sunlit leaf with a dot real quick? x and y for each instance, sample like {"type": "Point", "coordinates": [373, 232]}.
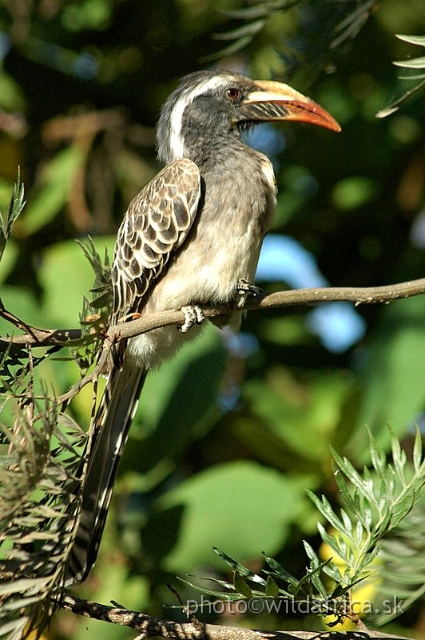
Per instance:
{"type": "Point", "coordinates": [258, 496]}
{"type": "Point", "coordinates": [419, 40]}
{"type": "Point", "coordinates": [411, 63]}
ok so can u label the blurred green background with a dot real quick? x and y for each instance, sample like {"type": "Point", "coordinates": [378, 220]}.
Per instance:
{"type": "Point", "coordinates": [230, 434]}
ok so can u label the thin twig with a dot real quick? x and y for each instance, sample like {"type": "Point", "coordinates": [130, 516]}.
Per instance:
{"type": "Point", "coordinates": [41, 337]}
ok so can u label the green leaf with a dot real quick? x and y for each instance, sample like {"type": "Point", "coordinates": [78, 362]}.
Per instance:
{"type": "Point", "coordinates": [238, 567]}
{"type": "Point", "coordinates": [348, 525]}
{"type": "Point", "coordinates": [393, 392]}
{"type": "Point", "coordinates": [255, 510]}
{"type": "Point", "coordinates": [57, 182]}
{"type": "Point", "coordinates": [415, 63]}
{"type": "Point", "coordinates": [249, 29]}
{"type": "Point", "coordinates": [343, 488]}
{"type": "Point", "coordinates": [24, 304]}
{"type": "Point", "coordinates": [87, 15]}
{"type": "Point", "coordinates": [272, 589]}
{"type": "Point", "coordinates": [332, 570]}
{"type": "Point", "coordinates": [326, 510]}
{"type": "Point", "coordinates": [62, 293]}
{"type": "Point", "coordinates": [12, 96]}
{"type": "Point", "coordinates": [351, 193]}
{"type": "Point", "coordinates": [290, 417]}
{"type": "Point", "coordinates": [15, 209]}
{"type": "Point", "coordinates": [311, 554]}
{"type": "Point", "coordinates": [312, 577]}
{"type": "Point", "coordinates": [191, 380]}
{"type": "Point", "coordinates": [9, 258]}
{"type": "Point", "coordinates": [241, 586]}
{"type": "Point", "coordinates": [279, 571]}
{"type": "Point", "coordinates": [384, 113]}
{"type": "Point", "coordinates": [399, 460]}
{"type": "Point", "coordinates": [223, 583]}
{"type": "Point", "coordinates": [211, 592]}
{"type": "Point", "coordinates": [348, 469]}
{"type": "Point", "coordinates": [377, 455]}
{"type": "Point", "coordinates": [417, 450]}
{"type": "Point", "coordinates": [419, 40]}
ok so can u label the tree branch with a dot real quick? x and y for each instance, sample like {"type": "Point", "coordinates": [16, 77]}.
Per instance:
{"type": "Point", "coordinates": [154, 627]}
{"type": "Point", "coordinates": [360, 295]}
{"type": "Point", "coordinates": [35, 337]}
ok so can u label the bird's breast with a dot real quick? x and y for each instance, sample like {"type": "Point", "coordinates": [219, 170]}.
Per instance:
{"type": "Point", "coordinates": [224, 243]}
{"type": "Point", "coordinates": [222, 247]}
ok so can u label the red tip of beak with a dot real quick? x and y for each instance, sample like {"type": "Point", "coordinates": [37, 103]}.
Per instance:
{"type": "Point", "coordinates": [312, 113]}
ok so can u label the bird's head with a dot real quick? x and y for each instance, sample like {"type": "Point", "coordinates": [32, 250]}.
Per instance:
{"type": "Point", "coordinates": [212, 105]}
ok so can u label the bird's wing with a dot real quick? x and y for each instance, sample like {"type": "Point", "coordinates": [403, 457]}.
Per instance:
{"type": "Point", "coordinates": [156, 224]}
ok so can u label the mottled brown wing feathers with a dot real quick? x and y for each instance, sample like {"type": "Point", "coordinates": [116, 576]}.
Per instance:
{"type": "Point", "coordinates": [155, 225]}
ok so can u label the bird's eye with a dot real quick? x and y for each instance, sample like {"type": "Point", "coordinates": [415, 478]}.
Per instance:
{"type": "Point", "coordinates": [233, 94]}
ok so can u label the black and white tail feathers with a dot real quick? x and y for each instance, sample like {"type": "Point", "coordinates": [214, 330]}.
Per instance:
{"type": "Point", "coordinates": [111, 427]}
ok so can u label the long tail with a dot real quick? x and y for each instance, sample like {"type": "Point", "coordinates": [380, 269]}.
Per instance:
{"type": "Point", "coordinates": [111, 427]}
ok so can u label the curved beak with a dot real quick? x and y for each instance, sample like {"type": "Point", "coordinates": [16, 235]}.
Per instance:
{"type": "Point", "coordinates": [275, 101]}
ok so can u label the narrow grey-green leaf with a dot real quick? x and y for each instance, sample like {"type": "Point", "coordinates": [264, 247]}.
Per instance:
{"type": "Point", "coordinates": [419, 40]}
{"type": "Point", "coordinates": [415, 63]}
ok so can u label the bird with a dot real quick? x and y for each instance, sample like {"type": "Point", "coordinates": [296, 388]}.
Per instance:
{"type": "Point", "coordinates": [191, 237]}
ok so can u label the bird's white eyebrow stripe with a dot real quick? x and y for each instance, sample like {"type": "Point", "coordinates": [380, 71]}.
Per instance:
{"type": "Point", "coordinates": [176, 139]}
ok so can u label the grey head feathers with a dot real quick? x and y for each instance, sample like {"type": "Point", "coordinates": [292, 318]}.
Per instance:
{"type": "Point", "coordinates": [197, 110]}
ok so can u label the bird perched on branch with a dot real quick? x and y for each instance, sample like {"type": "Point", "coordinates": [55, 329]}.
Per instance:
{"type": "Point", "coordinates": [191, 237]}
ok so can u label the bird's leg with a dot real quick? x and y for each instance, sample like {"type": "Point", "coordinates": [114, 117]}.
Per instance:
{"type": "Point", "coordinates": [192, 315]}
{"type": "Point", "coordinates": [243, 287]}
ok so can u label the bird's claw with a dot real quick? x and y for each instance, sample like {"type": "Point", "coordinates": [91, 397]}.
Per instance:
{"type": "Point", "coordinates": [192, 315]}
{"type": "Point", "coordinates": [244, 287]}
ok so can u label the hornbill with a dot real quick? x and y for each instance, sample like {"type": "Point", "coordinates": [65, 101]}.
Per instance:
{"type": "Point", "coordinates": [192, 236]}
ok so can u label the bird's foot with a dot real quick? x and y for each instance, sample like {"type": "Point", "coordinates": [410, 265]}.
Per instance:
{"type": "Point", "coordinates": [243, 287]}
{"type": "Point", "coordinates": [192, 315]}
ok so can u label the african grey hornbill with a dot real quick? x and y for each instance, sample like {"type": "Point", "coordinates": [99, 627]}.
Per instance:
{"type": "Point", "coordinates": [191, 236]}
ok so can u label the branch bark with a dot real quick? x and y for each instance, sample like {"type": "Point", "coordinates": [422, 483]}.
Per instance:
{"type": "Point", "coordinates": [153, 627]}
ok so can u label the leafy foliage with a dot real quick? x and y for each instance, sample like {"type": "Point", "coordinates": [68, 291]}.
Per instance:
{"type": "Point", "coordinates": [96, 310]}
{"type": "Point", "coordinates": [403, 559]}
{"type": "Point", "coordinates": [81, 85]}
{"type": "Point", "coordinates": [379, 502]}
{"type": "Point", "coordinates": [339, 22]}
{"type": "Point", "coordinates": [39, 506]}
{"type": "Point", "coordinates": [416, 65]}
{"type": "Point", "coordinates": [374, 515]}
{"type": "Point", "coordinates": [42, 468]}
